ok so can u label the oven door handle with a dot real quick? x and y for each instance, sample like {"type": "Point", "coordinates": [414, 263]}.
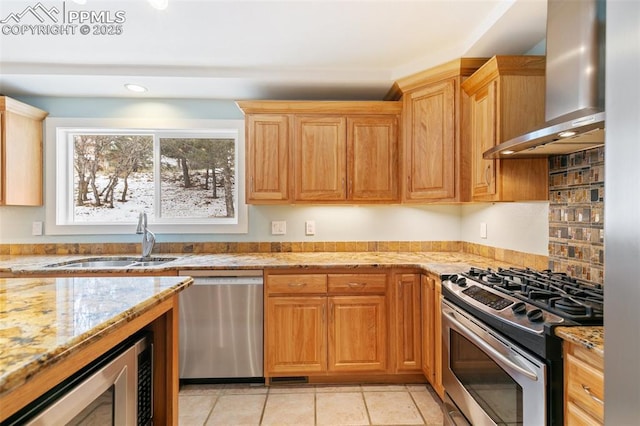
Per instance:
{"type": "Point", "coordinates": [487, 347]}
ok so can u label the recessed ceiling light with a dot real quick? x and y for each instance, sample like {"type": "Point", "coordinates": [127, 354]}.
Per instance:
{"type": "Point", "coordinates": [566, 134]}
{"type": "Point", "coordinates": [508, 152]}
{"type": "Point", "coordinates": [135, 88]}
{"type": "Point", "coordinates": [159, 4]}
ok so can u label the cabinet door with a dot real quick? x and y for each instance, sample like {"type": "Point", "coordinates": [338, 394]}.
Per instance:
{"type": "Point", "coordinates": [296, 335]}
{"type": "Point", "coordinates": [437, 336]}
{"type": "Point", "coordinates": [430, 157]}
{"type": "Point", "coordinates": [267, 158]}
{"type": "Point", "coordinates": [372, 158]}
{"type": "Point", "coordinates": [22, 162]}
{"type": "Point", "coordinates": [483, 137]}
{"type": "Point", "coordinates": [357, 334]}
{"type": "Point", "coordinates": [427, 294]}
{"type": "Point", "coordinates": [320, 151]}
{"type": "Point", "coordinates": [407, 323]}
{"type": "Point", "coordinates": [2, 176]}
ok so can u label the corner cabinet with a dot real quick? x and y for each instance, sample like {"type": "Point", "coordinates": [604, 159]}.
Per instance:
{"type": "Point", "coordinates": [21, 164]}
{"type": "Point", "coordinates": [506, 100]}
{"type": "Point", "coordinates": [331, 147]}
{"type": "Point", "coordinates": [434, 145]}
{"type": "Point", "coordinates": [430, 291]}
{"type": "Point", "coordinates": [406, 322]}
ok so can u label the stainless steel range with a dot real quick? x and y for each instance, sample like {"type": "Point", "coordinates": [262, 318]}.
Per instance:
{"type": "Point", "coordinates": [502, 361]}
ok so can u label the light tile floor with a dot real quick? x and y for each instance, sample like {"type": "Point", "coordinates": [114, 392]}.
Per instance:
{"type": "Point", "coordinates": [244, 404]}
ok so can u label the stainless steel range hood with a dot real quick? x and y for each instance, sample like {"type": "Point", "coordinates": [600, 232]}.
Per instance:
{"type": "Point", "coordinates": [574, 84]}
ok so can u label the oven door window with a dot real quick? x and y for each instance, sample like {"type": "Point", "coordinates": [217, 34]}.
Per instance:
{"type": "Point", "coordinates": [492, 388]}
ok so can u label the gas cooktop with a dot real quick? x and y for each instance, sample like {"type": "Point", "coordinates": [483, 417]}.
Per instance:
{"type": "Point", "coordinates": [567, 297]}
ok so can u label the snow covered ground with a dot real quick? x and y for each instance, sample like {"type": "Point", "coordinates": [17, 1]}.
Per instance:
{"type": "Point", "coordinates": [177, 202]}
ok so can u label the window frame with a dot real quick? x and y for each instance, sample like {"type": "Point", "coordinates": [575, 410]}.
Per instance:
{"type": "Point", "coordinates": [59, 175]}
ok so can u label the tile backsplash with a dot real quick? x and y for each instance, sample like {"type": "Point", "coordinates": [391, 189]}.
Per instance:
{"type": "Point", "coordinates": [576, 214]}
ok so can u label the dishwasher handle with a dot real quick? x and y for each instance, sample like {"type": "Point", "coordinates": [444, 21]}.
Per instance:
{"type": "Point", "coordinates": [227, 281]}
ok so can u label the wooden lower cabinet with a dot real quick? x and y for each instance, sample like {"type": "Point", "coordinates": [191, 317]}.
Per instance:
{"type": "Point", "coordinates": [406, 322]}
{"type": "Point", "coordinates": [325, 324]}
{"type": "Point", "coordinates": [357, 334]}
{"type": "Point", "coordinates": [296, 337]}
{"type": "Point", "coordinates": [583, 386]}
{"type": "Point", "coordinates": [431, 331]}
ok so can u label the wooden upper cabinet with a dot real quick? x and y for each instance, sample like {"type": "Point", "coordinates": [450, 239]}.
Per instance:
{"type": "Point", "coordinates": [434, 142]}
{"type": "Point", "coordinates": [483, 133]}
{"type": "Point", "coordinates": [372, 156]}
{"type": "Point", "coordinates": [430, 142]}
{"type": "Point", "coordinates": [21, 165]}
{"type": "Point", "coordinates": [267, 152]}
{"type": "Point", "coordinates": [325, 151]}
{"type": "Point", "coordinates": [320, 153]}
{"type": "Point", "coordinates": [506, 100]}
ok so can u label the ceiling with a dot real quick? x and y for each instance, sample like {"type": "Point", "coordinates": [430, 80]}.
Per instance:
{"type": "Point", "coordinates": [235, 49]}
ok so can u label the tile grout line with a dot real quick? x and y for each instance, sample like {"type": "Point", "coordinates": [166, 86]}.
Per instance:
{"type": "Point", "coordinates": [264, 405]}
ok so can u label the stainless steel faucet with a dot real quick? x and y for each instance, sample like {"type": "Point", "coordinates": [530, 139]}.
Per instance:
{"type": "Point", "coordinates": [148, 237]}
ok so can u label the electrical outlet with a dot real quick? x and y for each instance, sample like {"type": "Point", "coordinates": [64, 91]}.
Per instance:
{"type": "Point", "coordinates": [36, 228]}
{"type": "Point", "coordinates": [310, 227]}
{"type": "Point", "coordinates": [483, 230]}
{"type": "Point", "coordinates": [278, 227]}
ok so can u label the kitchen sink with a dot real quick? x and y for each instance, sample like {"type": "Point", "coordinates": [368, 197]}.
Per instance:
{"type": "Point", "coordinates": [106, 262]}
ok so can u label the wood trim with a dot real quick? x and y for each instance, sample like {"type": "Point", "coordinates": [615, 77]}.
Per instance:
{"type": "Point", "coordinates": [504, 65]}
{"type": "Point", "coordinates": [462, 67]}
{"type": "Point", "coordinates": [320, 107]}
{"type": "Point", "coordinates": [12, 401]}
{"type": "Point", "coordinates": [10, 104]}
{"type": "Point", "coordinates": [166, 379]}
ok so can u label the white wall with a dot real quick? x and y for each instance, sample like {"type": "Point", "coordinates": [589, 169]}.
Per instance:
{"type": "Point", "coordinates": [516, 226]}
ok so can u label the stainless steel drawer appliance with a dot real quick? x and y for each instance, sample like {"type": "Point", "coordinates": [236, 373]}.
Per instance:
{"type": "Point", "coordinates": [116, 389]}
{"type": "Point", "coordinates": [221, 326]}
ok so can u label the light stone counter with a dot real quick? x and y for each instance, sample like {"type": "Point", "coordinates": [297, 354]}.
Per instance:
{"type": "Point", "coordinates": [437, 262]}
{"type": "Point", "coordinates": [591, 337]}
{"type": "Point", "coordinates": [45, 320]}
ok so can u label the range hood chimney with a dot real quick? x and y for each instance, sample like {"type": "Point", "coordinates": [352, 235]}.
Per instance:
{"type": "Point", "coordinates": [574, 109]}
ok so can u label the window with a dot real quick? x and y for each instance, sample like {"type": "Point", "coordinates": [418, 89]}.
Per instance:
{"type": "Point", "coordinates": [185, 179]}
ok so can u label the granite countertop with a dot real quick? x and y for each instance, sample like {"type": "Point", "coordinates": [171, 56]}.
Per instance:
{"type": "Point", "coordinates": [591, 337]}
{"type": "Point", "coordinates": [42, 319]}
{"type": "Point", "coordinates": [437, 262]}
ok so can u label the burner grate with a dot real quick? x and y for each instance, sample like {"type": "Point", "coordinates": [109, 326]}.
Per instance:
{"type": "Point", "coordinates": [555, 292]}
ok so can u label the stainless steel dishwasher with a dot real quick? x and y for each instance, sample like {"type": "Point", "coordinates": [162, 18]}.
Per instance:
{"type": "Point", "coordinates": [221, 325]}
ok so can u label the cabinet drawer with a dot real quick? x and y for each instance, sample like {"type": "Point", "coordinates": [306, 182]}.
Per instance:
{"type": "Point", "coordinates": [297, 284]}
{"type": "Point", "coordinates": [585, 386]}
{"type": "Point", "coordinates": [574, 415]}
{"type": "Point", "coordinates": [357, 283]}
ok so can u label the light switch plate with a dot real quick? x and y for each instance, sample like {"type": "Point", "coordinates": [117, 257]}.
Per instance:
{"type": "Point", "coordinates": [278, 227]}
{"type": "Point", "coordinates": [483, 230]}
{"type": "Point", "coordinates": [310, 227]}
